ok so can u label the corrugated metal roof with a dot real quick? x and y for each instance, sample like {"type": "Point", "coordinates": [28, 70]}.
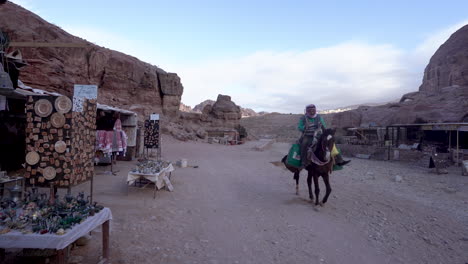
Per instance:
{"type": "Point", "coordinates": [115, 109]}
{"type": "Point", "coordinates": [23, 91]}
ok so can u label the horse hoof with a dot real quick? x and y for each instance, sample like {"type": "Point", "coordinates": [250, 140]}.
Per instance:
{"type": "Point", "coordinates": [321, 204]}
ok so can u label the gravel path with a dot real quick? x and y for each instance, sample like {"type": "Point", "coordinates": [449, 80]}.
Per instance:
{"type": "Point", "coordinates": [237, 207]}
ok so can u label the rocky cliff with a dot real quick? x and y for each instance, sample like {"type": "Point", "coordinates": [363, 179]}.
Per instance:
{"type": "Point", "coordinates": [124, 81]}
{"type": "Point", "coordinates": [245, 112]}
{"type": "Point", "coordinates": [442, 96]}
{"type": "Point", "coordinates": [222, 115]}
{"type": "Point", "coordinates": [199, 107]}
{"type": "Point", "coordinates": [449, 65]}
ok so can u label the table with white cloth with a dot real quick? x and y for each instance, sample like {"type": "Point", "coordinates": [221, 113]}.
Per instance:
{"type": "Point", "coordinates": [160, 179]}
{"type": "Point", "coordinates": [16, 239]}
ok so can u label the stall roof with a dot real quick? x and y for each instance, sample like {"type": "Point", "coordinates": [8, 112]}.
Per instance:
{"type": "Point", "coordinates": [436, 126]}
{"type": "Point", "coordinates": [23, 91]}
{"type": "Point", "coordinates": [365, 128]}
{"type": "Point", "coordinates": [115, 109]}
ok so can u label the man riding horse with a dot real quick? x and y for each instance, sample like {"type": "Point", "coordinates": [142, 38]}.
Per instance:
{"type": "Point", "coordinates": [311, 125]}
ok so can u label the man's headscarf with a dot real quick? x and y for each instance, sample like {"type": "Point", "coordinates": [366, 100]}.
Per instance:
{"type": "Point", "coordinates": [307, 114]}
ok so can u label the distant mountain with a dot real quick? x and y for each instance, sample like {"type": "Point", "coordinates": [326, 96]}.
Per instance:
{"type": "Point", "coordinates": [247, 112]}
{"type": "Point", "coordinates": [185, 108]}
{"type": "Point", "coordinates": [352, 107]}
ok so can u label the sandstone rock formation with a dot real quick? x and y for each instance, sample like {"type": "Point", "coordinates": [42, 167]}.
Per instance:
{"type": "Point", "coordinates": [223, 115]}
{"type": "Point", "coordinates": [245, 112]}
{"type": "Point", "coordinates": [449, 65]}
{"type": "Point", "coordinates": [442, 98]}
{"type": "Point", "coordinates": [124, 81]}
{"type": "Point", "coordinates": [185, 108]}
{"type": "Point", "coordinates": [199, 107]}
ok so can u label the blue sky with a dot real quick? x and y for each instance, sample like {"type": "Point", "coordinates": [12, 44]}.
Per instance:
{"type": "Point", "coordinates": [271, 55]}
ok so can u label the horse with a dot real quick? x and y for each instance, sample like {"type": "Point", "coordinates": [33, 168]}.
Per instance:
{"type": "Point", "coordinates": [321, 165]}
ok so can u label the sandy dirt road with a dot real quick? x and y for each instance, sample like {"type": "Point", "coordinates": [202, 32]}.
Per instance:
{"type": "Point", "coordinates": [237, 207]}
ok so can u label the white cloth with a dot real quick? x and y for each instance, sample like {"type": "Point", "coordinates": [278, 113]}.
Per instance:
{"type": "Point", "coordinates": [159, 178]}
{"type": "Point", "coordinates": [16, 239]}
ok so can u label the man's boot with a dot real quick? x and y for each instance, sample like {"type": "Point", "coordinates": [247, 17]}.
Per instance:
{"type": "Point", "coordinates": [340, 161]}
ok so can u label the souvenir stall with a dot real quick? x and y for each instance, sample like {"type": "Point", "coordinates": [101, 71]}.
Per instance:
{"type": "Point", "coordinates": [152, 137]}
{"type": "Point", "coordinates": [116, 131]}
{"type": "Point", "coordinates": [148, 171]}
{"type": "Point", "coordinates": [12, 121]}
{"type": "Point", "coordinates": [58, 136]}
{"type": "Point", "coordinates": [12, 143]}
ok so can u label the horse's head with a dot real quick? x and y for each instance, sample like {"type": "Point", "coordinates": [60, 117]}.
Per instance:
{"type": "Point", "coordinates": [327, 140]}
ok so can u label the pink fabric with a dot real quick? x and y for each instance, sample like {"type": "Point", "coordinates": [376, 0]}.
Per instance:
{"type": "Point", "coordinates": [105, 139]}
{"type": "Point", "coordinates": [118, 125]}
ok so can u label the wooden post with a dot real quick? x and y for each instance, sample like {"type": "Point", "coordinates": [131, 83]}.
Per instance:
{"type": "Point", "coordinates": [53, 191]}
{"type": "Point", "coordinates": [61, 258]}
{"type": "Point", "coordinates": [91, 189]}
{"type": "Point", "coordinates": [387, 142]}
{"type": "Point", "coordinates": [450, 141]}
{"type": "Point", "coordinates": [398, 137]}
{"type": "Point", "coordinates": [458, 158]}
{"type": "Point", "coordinates": [105, 240]}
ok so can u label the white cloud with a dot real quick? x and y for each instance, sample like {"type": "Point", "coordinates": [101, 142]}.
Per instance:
{"type": "Point", "coordinates": [345, 74]}
{"type": "Point", "coordinates": [285, 81]}
{"type": "Point", "coordinates": [339, 75]}
{"type": "Point", "coordinates": [429, 46]}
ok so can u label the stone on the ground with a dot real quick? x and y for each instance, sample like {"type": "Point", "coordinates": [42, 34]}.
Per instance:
{"type": "Point", "coordinates": [465, 168]}
{"type": "Point", "coordinates": [75, 259]}
{"type": "Point", "coordinates": [398, 178]}
{"type": "Point", "coordinates": [362, 156]}
{"type": "Point", "coordinates": [264, 144]}
{"type": "Point", "coordinates": [83, 241]}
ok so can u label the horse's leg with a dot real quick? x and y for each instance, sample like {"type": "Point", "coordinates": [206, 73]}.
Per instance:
{"type": "Point", "coordinates": [296, 177]}
{"type": "Point", "coordinates": [317, 189]}
{"type": "Point", "coordinates": [326, 180]}
{"type": "Point", "coordinates": [309, 183]}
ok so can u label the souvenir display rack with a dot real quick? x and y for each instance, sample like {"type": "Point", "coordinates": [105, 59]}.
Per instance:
{"type": "Point", "coordinates": [59, 142]}
{"type": "Point", "coordinates": [152, 137]}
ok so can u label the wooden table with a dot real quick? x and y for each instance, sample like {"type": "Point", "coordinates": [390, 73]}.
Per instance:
{"type": "Point", "coordinates": [15, 239]}
{"type": "Point", "coordinates": [159, 179]}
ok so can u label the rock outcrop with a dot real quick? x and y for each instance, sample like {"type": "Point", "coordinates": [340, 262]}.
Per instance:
{"type": "Point", "coordinates": [185, 108]}
{"type": "Point", "coordinates": [245, 112]}
{"type": "Point", "coordinates": [449, 65]}
{"type": "Point", "coordinates": [442, 96]}
{"type": "Point", "coordinates": [199, 107]}
{"type": "Point", "coordinates": [223, 115]}
{"type": "Point", "coordinates": [124, 81]}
